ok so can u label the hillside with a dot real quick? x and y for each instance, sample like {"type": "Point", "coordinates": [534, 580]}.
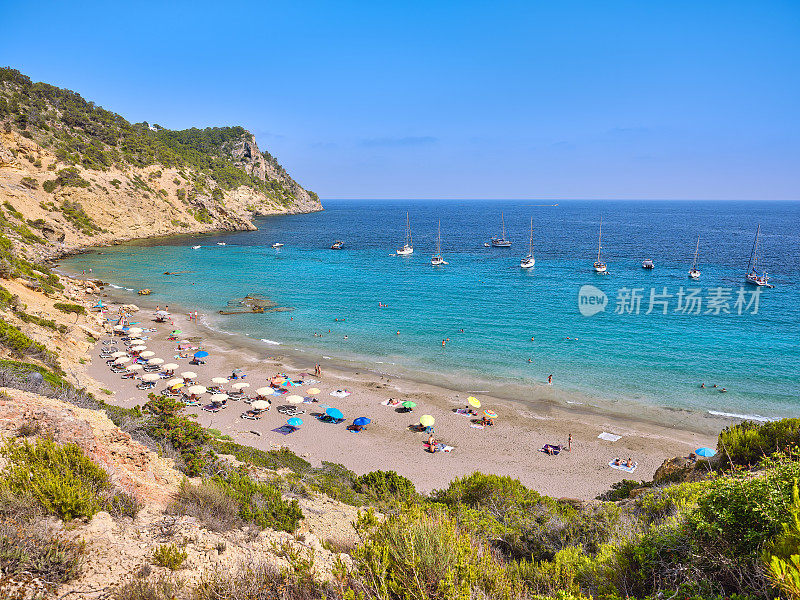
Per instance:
{"type": "Point", "coordinates": [73, 174]}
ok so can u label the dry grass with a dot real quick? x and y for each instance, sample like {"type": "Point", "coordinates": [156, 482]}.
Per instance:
{"type": "Point", "coordinates": [208, 503]}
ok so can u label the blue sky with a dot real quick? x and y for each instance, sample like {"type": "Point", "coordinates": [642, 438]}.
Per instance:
{"type": "Point", "coordinates": [556, 99]}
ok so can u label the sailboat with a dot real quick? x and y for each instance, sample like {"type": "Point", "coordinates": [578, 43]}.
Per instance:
{"type": "Point", "coordinates": [501, 242]}
{"type": "Point", "coordinates": [599, 265]}
{"type": "Point", "coordinates": [529, 261]}
{"type": "Point", "coordinates": [694, 273]}
{"type": "Point", "coordinates": [437, 259]}
{"type": "Point", "coordinates": [408, 248]}
{"type": "Point", "coordinates": [754, 275]}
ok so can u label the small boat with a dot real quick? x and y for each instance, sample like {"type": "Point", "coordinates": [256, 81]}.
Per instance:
{"type": "Point", "coordinates": [694, 273]}
{"type": "Point", "coordinates": [501, 242]}
{"type": "Point", "coordinates": [437, 259]}
{"type": "Point", "coordinates": [599, 265]}
{"type": "Point", "coordinates": [221, 244]}
{"type": "Point", "coordinates": [196, 247]}
{"type": "Point", "coordinates": [754, 275]}
{"type": "Point", "coordinates": [337, 245]}
{"type": "Point", "coordinates": [487, 245]}
{"type": "Point", "coordinates": [408, 247]}
{"type": "Point", "coordinates": [277, 245]}
{"type": "Point", "coordinates": [647, 263]}
{"type": "Point", "coordinates": [529, 261]}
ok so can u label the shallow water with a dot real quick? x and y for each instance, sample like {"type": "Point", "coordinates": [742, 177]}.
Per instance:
{"type": "Point", "coordinates": [654, 358]}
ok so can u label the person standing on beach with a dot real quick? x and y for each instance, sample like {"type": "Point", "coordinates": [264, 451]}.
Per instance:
{"type": "Point", "coordinates": [550, 379]}
{"type": "Point", "coordinates": [569, 443]}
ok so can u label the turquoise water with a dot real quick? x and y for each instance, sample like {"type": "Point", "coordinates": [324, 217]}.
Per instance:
{"type": "Point", "coordinates": [653, 358]}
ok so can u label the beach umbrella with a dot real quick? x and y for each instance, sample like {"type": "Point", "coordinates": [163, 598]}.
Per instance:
{"type": "Point", "coordinates": [201, 354]}
{"type": "Point", "coordinates": [176, 332]}
{"type": "Point", "coordinates": [264, 391]}
{"type": "Point", "coordinates": [118, 354]}
{"type": "Point", "coordinates": [426, 420]}
{"type": "Point", "coordinates": [155, 361]}
{"type": "Point", "coordinates": [313, 391]}
{"type": "Point", "coordinates": [220, 380]}
{"type": "Point", "coordinates": [151, 377]}
{"type": "Point", "coordinates": [162, 313]}
{"type": "Point", "coordinates": [409, 404]}
{"type": "Point", "coordinates": [707, 452]}
{"type": "Point", "coordinates": [189, 375]}
{"type": "Point", "coordinates": [490, 414]}
{"type": "Point", "coordinates": [134, 367]}
{"type": "Point", "coordinates": [175, 381]}
{"type": "Point", "coordinates": [474, 402]}
{"type": "Point", "coordinates": [170, 367]}
{"type": "Point", "coordinates": [138, 348]}
{"type": "Point", "coordinates": [219, 397]}
{"type": "Point", "coordinates": [361, 421]}
{"type": "Point", "coordinates": [260, 404]}
{"type": "Point", "coordinates": [118, 327]}
{"type": "Point", "coordinates": [294, 399]}
{"type": "Point", "coordinates": [334, 413]}
{"type": "Point", "coordinates": [196, 389]}
{"type": "Point", "coordinates": [135, 330]}
{"type": "Point", "coordinates": [122, 360]}
{"type": "Point", "coordinates": [240, 386]}
{"type": "Point", "coordinates": [295, 422]}
{"type": "Point", "coordinates": [147, 354]}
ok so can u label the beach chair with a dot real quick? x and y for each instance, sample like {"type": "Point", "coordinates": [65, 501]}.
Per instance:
{"type": "Point", "coordinates": [212, 408]}
{"type": "Point", "coordinates": [253, 415]}
{"type": "Point", "coordinates": [146, 385]}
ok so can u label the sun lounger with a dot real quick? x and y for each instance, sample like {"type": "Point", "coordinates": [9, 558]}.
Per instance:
{"type": "Point", "coordinates": [253, 415]}
{"type": "Point", "coordinates": [329, 419]}
{"type": "Point", "coordinates": [355, 428]}
{"type": "Point", "coordinates": [212, 408]}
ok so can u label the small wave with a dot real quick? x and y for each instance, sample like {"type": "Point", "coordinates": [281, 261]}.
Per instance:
{"type": "Point", "coordinates": [571, 402]}
{"type": "Point", "coordinates": [270, 342]}
{"type": "Point", "coordinates": [326, 357]}
{"type": "Point", "coordinates": [116, 287]}
{"type": "Point", "coordinates": [130, 289]}
{"type": "Point", "coordinates": [717, 413]}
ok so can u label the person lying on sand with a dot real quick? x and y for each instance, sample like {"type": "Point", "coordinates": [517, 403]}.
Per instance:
{"type": "Point", "coordinates": [616, 462]}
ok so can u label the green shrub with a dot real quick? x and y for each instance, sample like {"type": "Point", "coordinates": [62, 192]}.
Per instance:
{"type": "Point", "coordinates": [386, 486]}
{"type": "Point", "coordinates": [748, 442]}
{"type": "Point", "coordinates": [202, 216]}
{"type": "Point", "coordinates": [209, 503]}
{"type": "Point", "coordinates": [169, 556]}
{"type": "Point", "coordinates": [782, 557]}
{"type": "Point", "coordinates": [260, 503]}
{"type": "Point", "coordinates": [21, 345]}
{"type": "Point", "coordinates": [69, 308]}
{"type": "Point", "coordinates": [30, 183]}
{"type": "Point", "coordinates": [169, 423]}
{"type": "Point", "coordinates": [272, 459]}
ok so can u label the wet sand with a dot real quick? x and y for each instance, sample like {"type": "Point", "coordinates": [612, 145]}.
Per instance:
{"type": "Point", "coordinates": [510, 447]}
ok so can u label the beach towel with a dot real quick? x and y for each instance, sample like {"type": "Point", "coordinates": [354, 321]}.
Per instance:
{"type": "Point", "coordinates": [623, 467]}
{"type": "Point", "coordinates": [340, 393]}
{"type": "Point", "coordinates": [309, 381]}
{"type": "Point", "coordinates": [476, 426]}
{"type": "Point", "coordinates": [554, 449]}
{"type": "Point", "coordinates": [609, 437]}
{"type": "Point", "coordinates": [285, 429]}
{"type": "Point", "coordinates": [464, 411]}
{"type": "Point", "coordinates": [391, 402]}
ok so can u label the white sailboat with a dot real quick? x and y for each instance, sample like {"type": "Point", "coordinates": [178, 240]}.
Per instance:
{"type": "Point", "coordinates": [408, 247]}
{"type": "Point", "coordinates": [501, 242]}
{"type": "Point", "coordinates": [754, 275]}
{"type": "Point", "coordinates": [694, 273]}
{"type": "Point", "coordinates": [599, 265]}
{"type": "Point", "coordinates": [529, 261]}
{"type": "Point", "coordinates": [437, 259]}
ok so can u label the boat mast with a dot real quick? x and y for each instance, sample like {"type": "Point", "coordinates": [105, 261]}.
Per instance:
{"type": "Point", "coordinates": [751, 266]}
{"type": "Point", "coordinates": [409, 241]}
{"type": "Point", "coordinates": [696, 249]}
{"type": "Point", "coordinates": [439, 240]}
{"type": "Point", "coordinates": [599, 239]}
{"type": "Point", "coordinates": [530, 242]}
{"type": "Point", "coordinates": [503, 223]}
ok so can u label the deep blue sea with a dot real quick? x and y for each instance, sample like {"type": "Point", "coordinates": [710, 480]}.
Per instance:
{"type": "Point", "coordinates": [620, 353]}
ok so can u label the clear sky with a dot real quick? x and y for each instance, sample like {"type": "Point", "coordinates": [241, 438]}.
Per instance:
{"type": "Point", "coordinates": [461, 99]}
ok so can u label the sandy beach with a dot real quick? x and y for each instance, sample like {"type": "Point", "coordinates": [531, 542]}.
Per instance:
{"type": "Point", "coordinates": [510, 447]}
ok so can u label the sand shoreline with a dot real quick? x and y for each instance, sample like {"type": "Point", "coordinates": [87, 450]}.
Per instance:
{"type": "Point", "coordinates": [511, 447]}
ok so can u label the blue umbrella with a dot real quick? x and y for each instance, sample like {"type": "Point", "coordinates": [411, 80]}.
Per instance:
{"type": "Point", "coordinates": [362, 421]}
{"type": "Point", "coordinates": [295, 422]}
{"type": "Point", "coordinates": [201, 354]}
{"type": "Point", "coordinates": [707, 452]}
{"type": "Point", "coordinates": [334, 413]}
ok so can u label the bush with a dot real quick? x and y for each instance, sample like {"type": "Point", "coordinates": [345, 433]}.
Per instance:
{"type": "Point", "coordinates": [68, 308]}
{"type": "Point", "coordinates": [748, 442]}
{"type": "Point", "coordinates": [262, 581]}
{"type": "Point", "coordinates": [21, 345]}
{"type": "Point", "coordinates": [169, 556]}
{"type": "Point", "coordinates": [142, 589]}
{"type": "Point", "coordinates": [30, 182]}
{"type": "Point", "coordinates": [209, 503]}
{"type": "Point", "coordinates": [260, 503]}
{"type": "Point", "coordinates": [386, 486]}
{"type": "Point", "coordinates": [169, 424]}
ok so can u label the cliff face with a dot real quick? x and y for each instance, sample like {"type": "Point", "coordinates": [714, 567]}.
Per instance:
{"type": "Point", "coordinates": [73, 174]}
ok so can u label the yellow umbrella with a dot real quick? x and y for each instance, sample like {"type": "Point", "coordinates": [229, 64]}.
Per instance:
{"type": "Point", "coordinates": [426, 420]}
{"type": "Point", "coordinates": [473, 401]}
{"type": "Point", "coordinates": [313, 391]}
{"type": "Point", "coordinates": [294, 399]}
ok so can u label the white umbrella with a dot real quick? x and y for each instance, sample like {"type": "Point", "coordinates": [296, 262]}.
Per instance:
{"type": "Point", "coordinates": [118, 327]}
{"type": "Point", "coordinates": [122, 360]}
{"type": "Point", "coordinates": [313, 391]}
{"type": "Point", "coordinates": [138, 348]}
{"type": "Point", "coordinates": [260, 404]}
{"type": "Point", "coordinates": [294, 399]}
{"type": "Point", "coordinates": [151, 377]}
{"type": "Point", "coordinates": [118, 354]}
{"type": "Point", "coordinates": [174, 381]}
{"type": "Point", "coordinates": [155, 361]}
{"type": "Point", "coordinates": [219, 380]}
{"type": "Point", "coordinates": [135, 330]}
{"type": "Point", "coordinates": [240, 386]}
{"type": "Point", "coordinates": [170, 367]}
{"type": "Point", "coordinates": [136, 342]}
{"type": "Point", "coordinates": [219, 397]}
{"type": "Point", "coordinates": [189, 375]}
{"type": "Point", "coordinates": [197, 389]}
{"type": "Point", "coordinates": [147, 354]}
{"type": "Point", "coordinates": [134, 367]}
{"type": "Point", "coordinates": [264, 391]}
